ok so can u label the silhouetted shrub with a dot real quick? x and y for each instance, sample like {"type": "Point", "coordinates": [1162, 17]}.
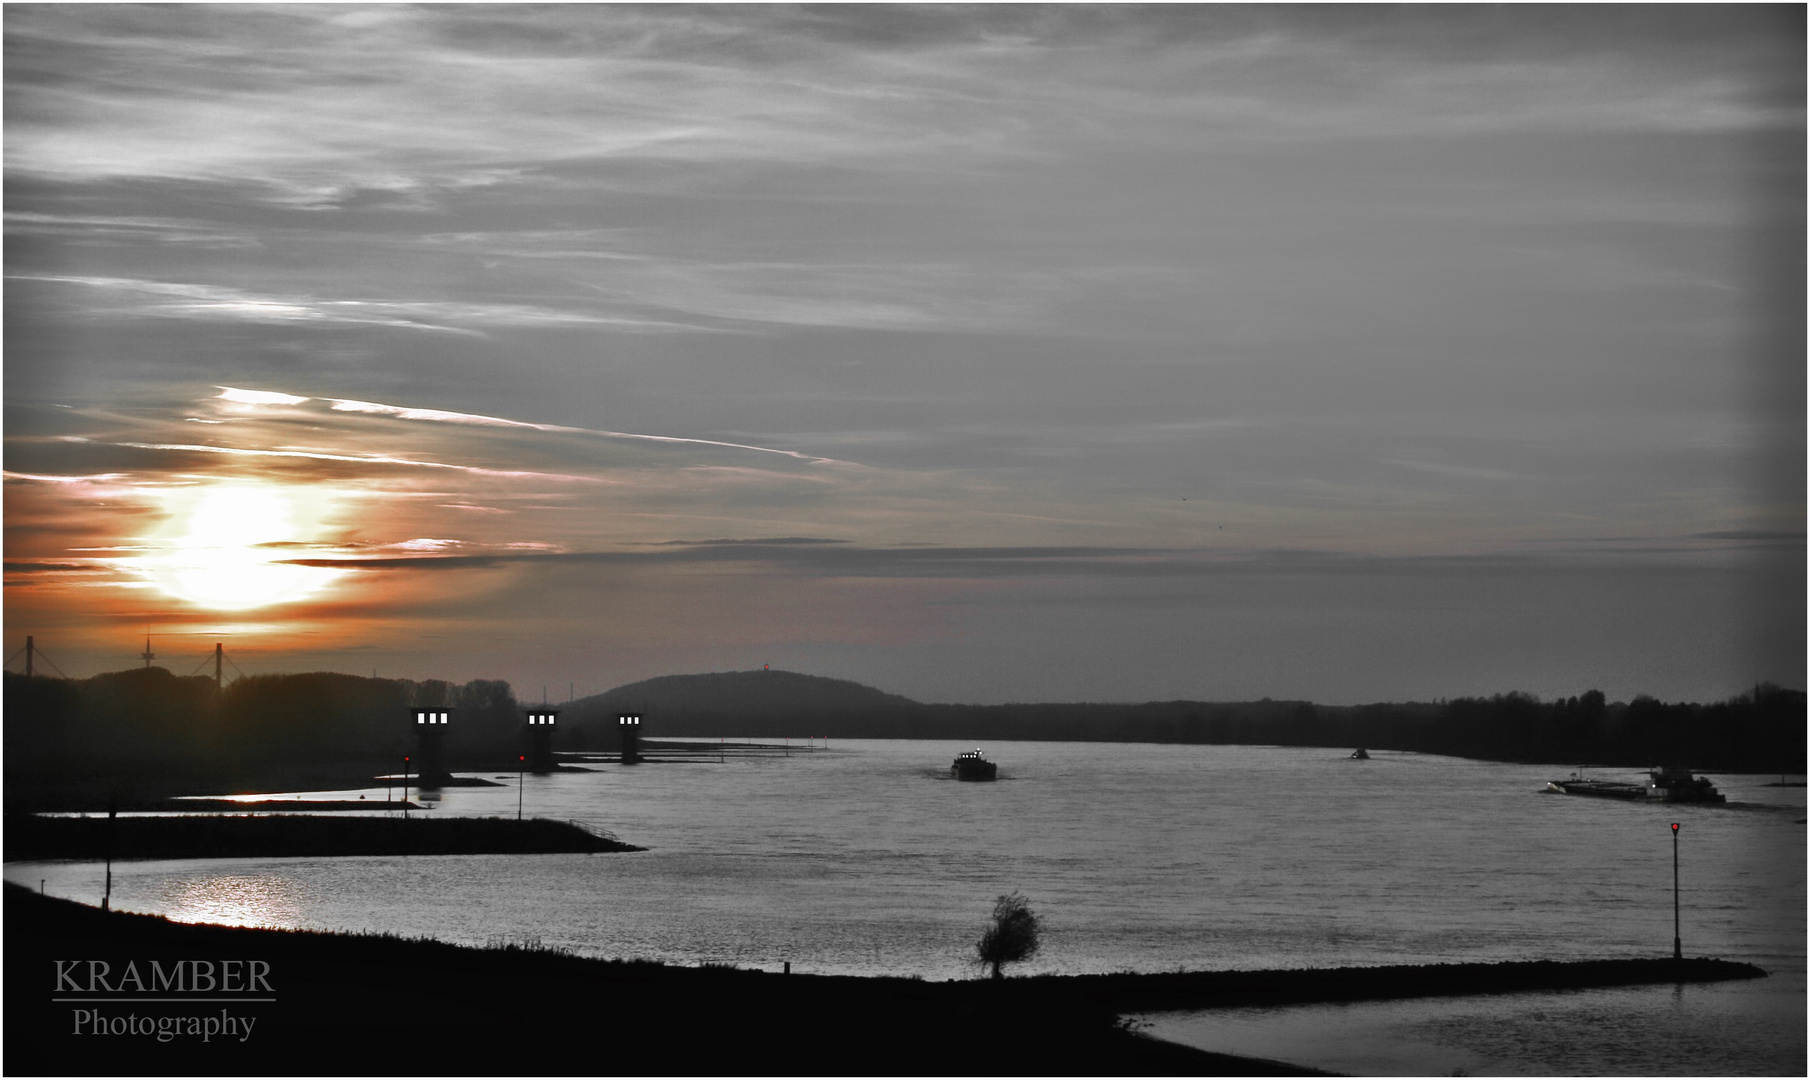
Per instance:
{"type": "Point", "coordinates": [1012, 937]}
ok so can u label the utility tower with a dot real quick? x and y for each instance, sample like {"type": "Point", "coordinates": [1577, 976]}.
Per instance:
{"type": "Point", "coordinates": [147, 656]}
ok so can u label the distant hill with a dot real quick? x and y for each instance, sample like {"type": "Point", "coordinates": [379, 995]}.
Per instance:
{"type": "Point", "coordinates": [1760, 731]}
{"type": "Point", "coordinates": [759, 703]}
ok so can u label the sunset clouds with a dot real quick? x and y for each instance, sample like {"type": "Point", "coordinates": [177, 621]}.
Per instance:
{"type": "Point", "coordinates": [935, 347]}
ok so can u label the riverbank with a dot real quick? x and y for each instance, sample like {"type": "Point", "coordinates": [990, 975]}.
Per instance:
{"type": "Point", "coordinates": [31, 837]}
{"type": "Point", "coordinates": [334, 1004]}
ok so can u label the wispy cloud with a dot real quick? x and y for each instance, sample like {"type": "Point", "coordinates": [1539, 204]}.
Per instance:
{"type": "Point", "coordinates": [1443, 468]}
{"type": "Point", "coordinates": [209, 302]}
{"type": "Point", "coordinates": [445, 416]}
{"type": "Point", "coordinates": [101, 228]}
{"type": "Point", "coordinates": [460, 99]}
{"type": "Point", "coordinates": [357, 459]}
{"type": "Point", "coordinates": [93, 479]}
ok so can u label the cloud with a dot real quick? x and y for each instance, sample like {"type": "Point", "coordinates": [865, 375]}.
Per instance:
{"type": "Point", "coordinates": [444, 416]}
{"type": "Point", "coordinates": [256, 397]}
{"type": "Point", "coordinates": [356, 459]}
{"type": "Point", "coordinates": [298, 100]}
{"type": "Point", "coordinates": [1440, 468]}
{"type": "Point", "coordinates": [102, 228]}
{"type": "Point", "coordinates": [209, 302]}
{"type": "Point", "coordinates": [96, 478]}
{"type": "Point", "coordinates": [1751, 534]}
{"type": "Point", "coordinates": [839, 558]}
{"type": "Point", "coordinates": [726, 171]}
{"type": "Point", "coordinates": [788, 541]}
{"type": "Point", "coordinates": [437, 415]}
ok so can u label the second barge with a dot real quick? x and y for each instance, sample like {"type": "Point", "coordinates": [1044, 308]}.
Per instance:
{"type": "Point", "coordinates": [1666, 784]}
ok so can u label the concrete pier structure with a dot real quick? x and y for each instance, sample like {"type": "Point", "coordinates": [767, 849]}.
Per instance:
{"type": "Point", "coordinates": [430, 749]}
{"type": "Point", "coordinates": [541, 724]}
{"type": "Point", "coordinates": [630, 726]}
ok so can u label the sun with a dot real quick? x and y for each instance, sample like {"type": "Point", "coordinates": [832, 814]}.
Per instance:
{"type": "Point", "coordinates": [220, 549]}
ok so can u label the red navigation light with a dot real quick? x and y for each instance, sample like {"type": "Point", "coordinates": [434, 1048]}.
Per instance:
{"type": "Point", "coordinates": [1674, 826]}
{"type": "Point", "coordinates": [521, 757]}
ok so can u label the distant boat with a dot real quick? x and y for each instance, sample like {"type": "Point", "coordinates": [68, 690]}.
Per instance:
{"type": "Point", "coordinates": [1360, 754]}
{"type": "Point", "coordinates": [1667, 784]}
{"type": "Point", "coordinates": [970, 765]}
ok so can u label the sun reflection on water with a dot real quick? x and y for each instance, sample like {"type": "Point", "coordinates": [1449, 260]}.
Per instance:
{"type": "Point", "coordinates": [240, 900]}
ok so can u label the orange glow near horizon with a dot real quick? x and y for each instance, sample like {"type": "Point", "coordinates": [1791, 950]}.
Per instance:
{"type": "Point", "coordinates": [224, 548]}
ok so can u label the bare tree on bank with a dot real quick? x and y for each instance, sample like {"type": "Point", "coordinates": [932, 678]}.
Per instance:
{"type": "Point", "coordinates": [1012, 937]}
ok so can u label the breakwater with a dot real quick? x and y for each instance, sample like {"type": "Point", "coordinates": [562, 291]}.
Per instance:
{"type": "Point", "coordinates": [1226, 989]}
{"type": "Point", "coordinates": [29, 836]}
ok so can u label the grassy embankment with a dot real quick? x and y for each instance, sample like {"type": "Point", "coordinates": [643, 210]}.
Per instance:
{"type": "Point", "coordinates": [371, 1004]}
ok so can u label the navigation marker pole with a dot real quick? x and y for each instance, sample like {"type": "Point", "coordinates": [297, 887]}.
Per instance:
{"type": "Point", "coordinates": [107, 897]}
{"type": "Point", "coordinates": [1677, 942]}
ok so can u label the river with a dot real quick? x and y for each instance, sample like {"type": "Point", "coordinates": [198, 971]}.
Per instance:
{"type": "Point", "coordinates": [865, 857]}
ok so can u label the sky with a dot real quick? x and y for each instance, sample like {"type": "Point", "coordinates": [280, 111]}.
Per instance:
{"type": "Point", "coordinates": [976, 353]}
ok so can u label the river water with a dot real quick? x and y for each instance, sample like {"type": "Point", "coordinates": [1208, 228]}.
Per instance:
{"type": "Point", "coordinates": [865, 858]}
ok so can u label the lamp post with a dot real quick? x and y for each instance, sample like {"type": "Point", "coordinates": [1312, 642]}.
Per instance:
{"type": "Point", "coordinates": [521, 765]}
{"type": "Point", "coordinates": [405, 785]}
{"type": "Point", "coordinates": [1677, 942]}
{"type": "Point", "coordinates": [112, 814]}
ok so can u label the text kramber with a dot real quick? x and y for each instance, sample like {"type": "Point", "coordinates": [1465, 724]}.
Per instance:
{"type": "Point", "coordinates": [181, 977]}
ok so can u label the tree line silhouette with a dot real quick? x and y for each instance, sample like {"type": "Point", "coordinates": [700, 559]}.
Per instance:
{"type": "Point", "coordinates": [167, 732]}
{"type": "Point", "coordinates": [149, 732]}
{"type": "Point", "coordinates": [1761, 730]}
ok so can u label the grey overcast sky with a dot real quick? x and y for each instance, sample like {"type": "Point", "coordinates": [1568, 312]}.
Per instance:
{"type": "Point", "coordinates": [978, 353]}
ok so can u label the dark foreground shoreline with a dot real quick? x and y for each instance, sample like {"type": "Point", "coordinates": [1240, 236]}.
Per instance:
{"type": "Point", "coordinates": [30, 837]}
{"type": "Point", "coordinates": [335, 1004]}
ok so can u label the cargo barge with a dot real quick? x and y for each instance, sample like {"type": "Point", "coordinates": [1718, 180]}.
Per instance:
{"type": "Point", "coordinates": [1667, 784]}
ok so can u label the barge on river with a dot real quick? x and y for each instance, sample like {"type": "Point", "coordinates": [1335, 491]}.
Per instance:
{"type": "Point", "coordinates": [1666, 784]}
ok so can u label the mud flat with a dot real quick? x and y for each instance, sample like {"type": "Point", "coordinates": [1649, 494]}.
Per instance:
{"type": "Point", "coordinates": [32, 837]}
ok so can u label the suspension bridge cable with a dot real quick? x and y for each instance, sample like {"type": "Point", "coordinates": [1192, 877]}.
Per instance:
{"type": "Point", "coordinates": [39, 653]}
{"type": "Point", "coordinates": [14, 656]}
